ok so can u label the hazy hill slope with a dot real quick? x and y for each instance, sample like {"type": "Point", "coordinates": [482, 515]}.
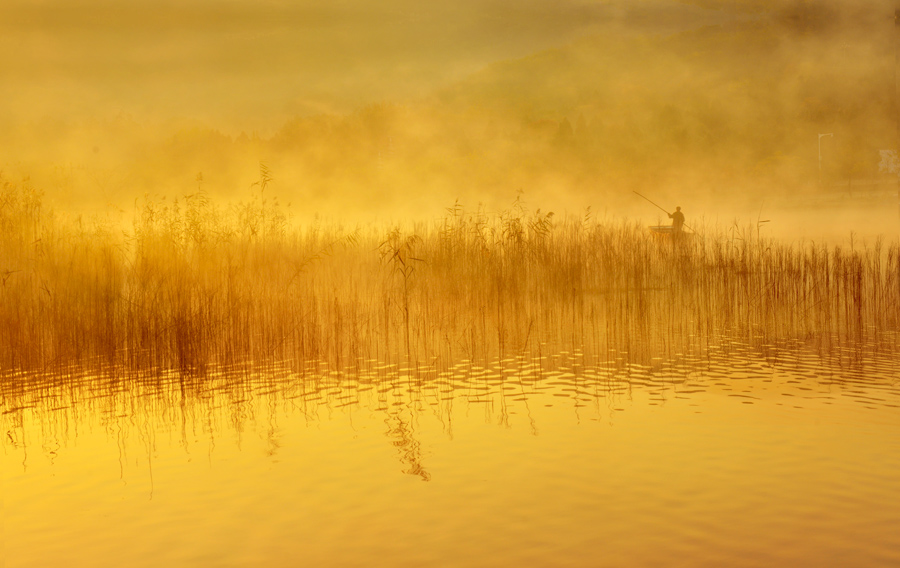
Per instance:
{"type": "Point", "coordinates": [725, 108]}
{"type": "Point", "coordinates": [743, 96]}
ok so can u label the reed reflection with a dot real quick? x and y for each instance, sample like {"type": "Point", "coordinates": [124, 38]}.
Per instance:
{"type": "Point", "coordinates": [43, 413]}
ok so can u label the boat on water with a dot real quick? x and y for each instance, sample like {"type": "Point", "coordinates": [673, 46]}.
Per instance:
{"type": "Point", "coordinates": [667, 231]}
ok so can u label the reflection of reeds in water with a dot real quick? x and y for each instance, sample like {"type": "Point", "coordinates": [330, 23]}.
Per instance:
{"type": "Point", "coordinates": [193, 286]}
{"type": "Point", "coordinates": [43, 412]}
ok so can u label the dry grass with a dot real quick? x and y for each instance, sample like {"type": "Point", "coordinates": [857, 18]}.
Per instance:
{"type": "Point", "coordinates": [192, 286]}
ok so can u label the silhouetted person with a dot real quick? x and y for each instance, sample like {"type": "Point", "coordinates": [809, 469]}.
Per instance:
{"type": "Point", "coordinates": [677, 220]}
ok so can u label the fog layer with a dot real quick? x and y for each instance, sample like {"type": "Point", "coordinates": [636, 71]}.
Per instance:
{"type": "Point", "coordinates": [364, 110]}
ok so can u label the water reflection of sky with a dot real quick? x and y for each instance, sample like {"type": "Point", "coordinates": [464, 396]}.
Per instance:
{"type": "Point", "coordinates": [746, 455]}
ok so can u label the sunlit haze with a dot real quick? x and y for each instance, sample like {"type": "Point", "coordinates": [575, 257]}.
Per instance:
{"type": "Point", "coordinates": [366, 110]}
{"type": "Point", "coordinates": [470, 283]}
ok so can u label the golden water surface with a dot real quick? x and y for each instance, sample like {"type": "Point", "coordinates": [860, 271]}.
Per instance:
{"type": "Point", "coordinates": [747, 456]}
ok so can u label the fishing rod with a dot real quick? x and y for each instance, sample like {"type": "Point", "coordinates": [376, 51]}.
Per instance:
{"type": "Point", "coordinates": [660, 207]}
{"type": "Point", "coordinates": [651, 201]}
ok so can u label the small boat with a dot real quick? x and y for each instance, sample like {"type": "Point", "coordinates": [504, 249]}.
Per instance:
{"type": "Point", "coordinates": [666, 231]}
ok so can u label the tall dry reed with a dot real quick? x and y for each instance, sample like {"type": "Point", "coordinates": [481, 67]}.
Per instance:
{"type": "Point", "coordinates": [193, 286]}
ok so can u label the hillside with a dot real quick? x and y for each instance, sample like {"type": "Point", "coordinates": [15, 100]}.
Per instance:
{"type": "Point", "coordinates": [724, 109]}
{"type": "Point", "coordinates": [746, 99]}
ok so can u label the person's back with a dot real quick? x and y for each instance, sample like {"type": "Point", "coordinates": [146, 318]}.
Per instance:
{"type": "Point", "coordinates": [677, 220]}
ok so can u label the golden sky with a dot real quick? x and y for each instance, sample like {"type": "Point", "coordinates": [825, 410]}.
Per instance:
{"type": "Point", "coordinates": [242, 61]}
{"type": "Point", "coordinates": [105, 100]}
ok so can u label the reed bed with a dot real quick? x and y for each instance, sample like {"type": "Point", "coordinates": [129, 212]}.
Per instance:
{"type": "Point", "coordinates": [192, 286]}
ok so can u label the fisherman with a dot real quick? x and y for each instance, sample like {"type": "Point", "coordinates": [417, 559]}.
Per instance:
{"type": "Point", "coordinates": [677, 220]}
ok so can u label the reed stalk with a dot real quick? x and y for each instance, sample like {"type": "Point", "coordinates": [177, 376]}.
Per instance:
{"type": "Point", "coordinates": [192, 287]}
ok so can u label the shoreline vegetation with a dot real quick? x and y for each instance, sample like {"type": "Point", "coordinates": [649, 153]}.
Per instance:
{"type": "Point", "coordinates": [193, 287]}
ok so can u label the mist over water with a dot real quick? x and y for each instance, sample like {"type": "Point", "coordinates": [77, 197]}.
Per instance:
{"type": "Point", "coordinates": [289, 282]}
{"type": "Point", "coordinates": [378, 112]}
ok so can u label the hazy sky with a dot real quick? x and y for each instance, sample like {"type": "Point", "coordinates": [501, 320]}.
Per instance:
{"type": "Point", "coordinates": [714, 108]}
{"type": "Point", "coordinates": [242, 63]}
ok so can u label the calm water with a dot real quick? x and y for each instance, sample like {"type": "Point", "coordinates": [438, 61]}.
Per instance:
{"type": "Point", "coordinates": [745, 456]}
